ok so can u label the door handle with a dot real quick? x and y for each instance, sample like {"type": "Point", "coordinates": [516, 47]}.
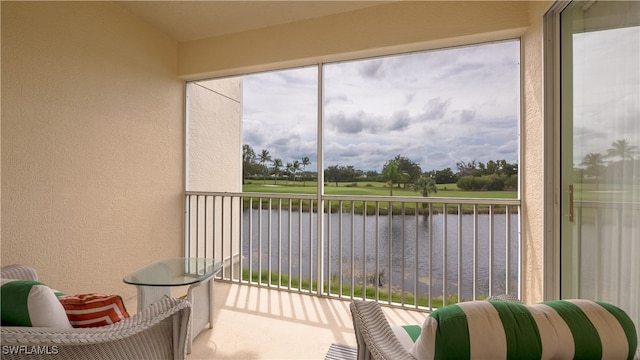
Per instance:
{"type": "Point", "coordinates": [571, 217]}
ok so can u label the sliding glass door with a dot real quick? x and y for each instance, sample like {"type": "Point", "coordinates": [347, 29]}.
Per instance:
{"type": "Point", "coordinates": [600, 152]}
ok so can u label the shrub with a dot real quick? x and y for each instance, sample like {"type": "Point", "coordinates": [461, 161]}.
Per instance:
{"type": "Point", "coordinates": [477, 183]}
{"type": "Point", "coordinates": [494, 182]}
{"type": "Point", "coordinates": [471, 183]}
{"type": "Point", "coordinates": [511, 182]}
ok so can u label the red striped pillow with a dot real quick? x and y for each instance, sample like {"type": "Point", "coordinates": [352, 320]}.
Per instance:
{"type": "Point", "coordinates": [92, 310]}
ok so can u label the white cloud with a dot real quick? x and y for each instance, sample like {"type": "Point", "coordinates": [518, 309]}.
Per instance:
{"type": "Point", "coordinates": [606, 96]}
{"type": "Point", "coordinates": [435, 108]}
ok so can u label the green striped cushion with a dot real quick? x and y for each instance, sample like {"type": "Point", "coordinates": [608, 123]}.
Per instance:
{"type": "Point", "coordinates": [568, 329]}
{"type": "Point", "coordinates": [30, 303]}
{"type": "Point", "coordinates": [407, 335]}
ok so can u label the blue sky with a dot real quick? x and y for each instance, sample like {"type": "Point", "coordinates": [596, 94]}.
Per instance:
{"type": "Point", "coordinates": [435, 107]}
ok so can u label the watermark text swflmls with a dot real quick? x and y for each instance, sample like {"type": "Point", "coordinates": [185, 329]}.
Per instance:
{"type": "Point", "coordinates": [30, 350]}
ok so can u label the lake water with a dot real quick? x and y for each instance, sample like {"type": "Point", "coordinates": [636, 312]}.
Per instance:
{"type": "Point", "coordinates": [409, 251]}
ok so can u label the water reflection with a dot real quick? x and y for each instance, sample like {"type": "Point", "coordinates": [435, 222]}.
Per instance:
{"type": "Point", "coordinates": [400, 253]}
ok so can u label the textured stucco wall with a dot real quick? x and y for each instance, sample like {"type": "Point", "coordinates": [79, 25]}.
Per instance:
{"type": "Point", "coordinates": [92, 144]}
{"type": "Point", "coordinates": [532, 155]}
{"type": "Point", "coordinates": [214, 159]}
{"type": "Point", "coordinates": [395, 27]}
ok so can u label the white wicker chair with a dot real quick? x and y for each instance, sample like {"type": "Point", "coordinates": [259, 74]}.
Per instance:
{"type": "Point", "coordinates": [158, 332]}
{"type": "Point", "coordinates": [377, 341]}
{"type": "Point", "coordinates": [374, 336]}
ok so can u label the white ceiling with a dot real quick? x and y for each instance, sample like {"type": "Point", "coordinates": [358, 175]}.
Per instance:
{"type": "Point", "coordinates": [191, 20]}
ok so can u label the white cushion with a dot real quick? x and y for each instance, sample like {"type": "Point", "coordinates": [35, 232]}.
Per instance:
{"type": "Point", "coordinates": [31, 303]}
{"type": "Point", "coordinates": [561, 329]}
{"type": "Point", "coordinates": [407, 335]}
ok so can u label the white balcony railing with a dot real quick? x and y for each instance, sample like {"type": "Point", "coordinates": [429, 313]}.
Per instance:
{"type": "Point", "coordinates": [405, 251]}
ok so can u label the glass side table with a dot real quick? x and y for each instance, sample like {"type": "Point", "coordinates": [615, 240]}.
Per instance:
{"type": "Point", "coordinates": [155, 281]}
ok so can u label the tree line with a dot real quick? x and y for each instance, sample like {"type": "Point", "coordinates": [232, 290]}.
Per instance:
{"type": "Point", "coordinates": [399, 172]}
{"type": "Point", "coordinates": [254, 165]}
{"type": "Point", "coordinates": [618, 160]}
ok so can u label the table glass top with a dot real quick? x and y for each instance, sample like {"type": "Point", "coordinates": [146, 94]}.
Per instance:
{"type": "Point", "coordinates": [175, 272]}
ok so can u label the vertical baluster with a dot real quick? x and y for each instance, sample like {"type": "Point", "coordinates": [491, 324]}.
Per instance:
{"type": "Point", "coordinates": [215, 228]}
{"type": "Point", "coordinates": [206, 223]}
{"type": "Point", "coordinates": [240, 234]}
{"type": "Point", "coordinates": [187, 225]}
{"type": "Point", "coordinates": [320, 246]}
{"type": "Point", "coordinates": [520, 254]}
{"type": "Point", "coordinates": [212, 247]}
{"type": "Point", "coordinates": [222, 228]}
{"type": "Point", "coordinates": [390, 267]}
{"type": "Point", "coordinates": [491, 250]}
{"type": "Point", "coordinates": [403, 251]}
{"type": "Point", "coordinates": [328, 245]}
{"type": "Point", "coordinates": [203, 238]}
{"type": "Point", "coordinates": [364, 250]}
{"type": "Point", "coordinates": [259, 241]}
{"type": "Point", "coordinates": [377, 237]}
{"type": "Point", "coordinates": [226, 233]}
{"type": "Point", "coordinates": [290, 250]}
{"type": "Point", "coordinates": [279, 273]}
{"type": "Point", "coordinates": [340, 246]}
{"type": "Point", "coordinates": [507, 251]}
{"type": "Point", "coordinates": [300, 204]}
{"type": "Point", "coordinates": [230, 228]}
{"type": "Point", "coordinates": [444, 254]}
{"type": "Point", "coordinates": [430, 302]}
{"type": "Point", "coordinates": [198, 226]}
{"type": "Point", "coordinates": [353, 256]}
{"type": "Point", "coordinates": [460, 261]}
{"type": "Point", "coordinates": [475, 251]}
{"type": "Point", "coordinates": [250, 240]}
{"type": "Point", "coordinates": [310, 245]}
{"type": "Point", "coordinates": [269, 225]}
{"type": "Point", "coordinates": [416, 274]}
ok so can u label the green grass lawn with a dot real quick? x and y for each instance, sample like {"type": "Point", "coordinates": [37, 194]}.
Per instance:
{"type": "Point", "coordinates": [371, 188]}
{"type": "Point", "coordinates": [346, 290]}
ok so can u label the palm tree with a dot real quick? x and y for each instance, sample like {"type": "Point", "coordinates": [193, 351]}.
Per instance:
{"type": "Point", "coordinates": [594, 163]}
{"type": "Point", "coordinates": [425, 185]}
{"type": "Point", "coordinates": [277, 164]}
{"type": "Point", "coordinates": [305, 162]}
{"type": "Point", "coordinates": [622, 149]}
{"type": "Point", "coordinates": [295, 167]}
{"type": "Point", "coordinates": [392, 174]}
{"type": "Point", "coordinates": [289, 168]}
{"type": "Point", "coordinates": [264, 157]}
{"type": "Point", "coordinates": [248, 159]}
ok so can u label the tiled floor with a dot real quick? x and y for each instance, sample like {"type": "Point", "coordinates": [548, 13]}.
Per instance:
{"type": "Point", "coordinates": [257, 323]}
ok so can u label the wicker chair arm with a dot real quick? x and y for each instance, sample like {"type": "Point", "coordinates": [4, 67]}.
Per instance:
{"type": "Point", "coordinates": [18, 271]}
{"type": "Point", "coordinates": [374, 336]}
{"type": "Point", "coordinates": [158, 332]}
{"type": "Point", "coordinates": [138, 323]}
{"type": "Point", "coordinates": [504, 297]}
